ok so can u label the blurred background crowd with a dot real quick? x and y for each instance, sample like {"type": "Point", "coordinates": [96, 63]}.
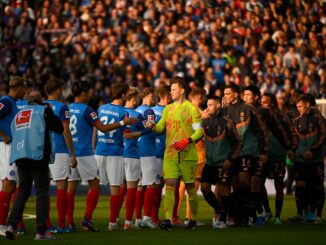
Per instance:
{"type": "Point", "coordinates": [277, 45]}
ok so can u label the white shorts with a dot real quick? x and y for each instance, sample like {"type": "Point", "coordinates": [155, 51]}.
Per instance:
{"type": "Point", "coordinates": [7, 171]}
{"type": "Point", "coordinates": [86, 169]}
{"type": "Point", "coordinates": [132, 169]}
{"type": "Point", "coordinates": [61, 167]}
{"type": "Point", "coordinates": [159, 167]}
{"type": "Point", "coordinates": [149, 171]}
{"type": "Point", "coordinates": [111, 169]}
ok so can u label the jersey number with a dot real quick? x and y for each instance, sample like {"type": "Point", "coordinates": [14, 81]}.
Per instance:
{"type": "Point", "coordinates": [105, 120]}
{"type": "Point", "coordinates": [72, 124]}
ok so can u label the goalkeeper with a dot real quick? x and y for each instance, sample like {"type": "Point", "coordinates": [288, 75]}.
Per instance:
{"type": "Point", "coordinates": [182, 122]}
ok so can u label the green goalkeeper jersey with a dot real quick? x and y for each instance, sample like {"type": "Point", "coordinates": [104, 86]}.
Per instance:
{"type": "Point", "coordinates": [181, 121]}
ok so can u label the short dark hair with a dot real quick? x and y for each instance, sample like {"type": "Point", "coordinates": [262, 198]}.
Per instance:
{"type": "Point", "coordinates": [53, 85]}
{"type": "Point", "coordinates": [118, 90]}
{"type": "Point", "coordinates": [254, 89]}
{"type": "Point", "coordinates": [303, 98]}
{"type": "Point", "coordinates": [216, 98]}
{"type": "Point", "coordinates": [147, 91]}
{"type": "Point", "coordinates": [132, 93]}
{"type": "Point", "coordinates": [79, 87]}
{"type": "Point", "coordinates": [17, 82]}
{"type": "Point", "coordinates": [234, 87]}
{"type": "Point", "coordinates": [312, 99]}
{"type": "Point", "coordinates": [197, 91]}
{"type": "Point", "coordinates": [273, 99]}
{"type": "Point", "coordinates": [180, 81]}
{"type": "Point", "coordinates": [163, 91]}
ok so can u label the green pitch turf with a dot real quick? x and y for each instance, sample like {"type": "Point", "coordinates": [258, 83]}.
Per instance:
{"type": "Point", "coordinates": [269, 234]}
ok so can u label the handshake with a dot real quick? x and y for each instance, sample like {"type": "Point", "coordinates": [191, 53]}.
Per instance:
{"type": "Point", "coordinates": [149, 122]}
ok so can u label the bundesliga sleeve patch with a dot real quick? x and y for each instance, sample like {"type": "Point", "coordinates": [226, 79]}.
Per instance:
{"type": "Point", "coordinates": [1, 106]}
{"type": "Point", "coordinates": [93, 115]}
{"type": "Point", "coordinates": [67, 114]}
{"type": "Point", "coordinates": [23, 119]}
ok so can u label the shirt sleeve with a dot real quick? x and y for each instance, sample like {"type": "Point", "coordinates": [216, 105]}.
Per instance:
{"type": "Point", "coordinates": [5, 107]}
{"type": "Point", "coordinates": [160, 126]}
{"type": "Point", "coordinates": [64, 114]}
{"type": "Point", "coordinates": [196, 124]}
{"type": "Point", "coordinates": [90, 116]}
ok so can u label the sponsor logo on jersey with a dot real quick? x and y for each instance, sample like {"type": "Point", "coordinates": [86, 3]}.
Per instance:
{"type": "Point", "coordinates": [23, 119]}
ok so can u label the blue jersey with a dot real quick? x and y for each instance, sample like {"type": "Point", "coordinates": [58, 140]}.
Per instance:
{"type": "Point", "coordinates": [110, 143]}
{"type": "Point", "coordinates": [8, 111]}
{"type": "Point", "coordinates": [146, 142]}
{"type": "Point", "coordinates": [131, 149]}
{"type": "Point", "coordinates": [82, 119]}
{"type": "Point", "coordinates": [62, 112]}
{"type": "Point", "coordinates": [21, 104]}
{"type": "Point", "coordinates": [160, 139]}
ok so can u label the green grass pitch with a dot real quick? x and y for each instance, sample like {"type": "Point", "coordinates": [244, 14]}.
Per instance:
{"type": "Point", "coordinates": [269, 234]}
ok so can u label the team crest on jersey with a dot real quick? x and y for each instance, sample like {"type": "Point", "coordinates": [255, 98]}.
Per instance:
{"type": "Point", "coordinates": [93, 115]}
{"type": "Point", "coordinates": [23, 119]}
{"type": "Point", "coordinates": [242, 116]}
{"type": "Point", "coordinates": [1, 106]}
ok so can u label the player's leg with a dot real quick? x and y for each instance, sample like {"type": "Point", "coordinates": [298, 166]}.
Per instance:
{"type": "Point", "coordinates": [16, 213]}
{"type": "Point", "coordinates": [209, 178]}
{"type": "Point", "coordinates": [224, 186]}
{"type": "Point", "coordinates": [114, 170]}
{"type": "Point", "coordinates": [244, 190]}
{"type": "Point", "coordinates": [60, 173]}
{"type": "Point", "coordinates": [188, 172]}
{"type": "Point", "coordinates": [158, 190]}
{"type": "Point", "coordinates": [300, 191]}
{"type": "Point", "coordinates": [149, 179]}
{"type": "Point", "coordinates": [88, 170]}
{"type": "Point", "coordinates": [170, 174]}
{"type": "Point", "coordinates": [319, 190]}
{"type": "Point", "coordinates": [279, 173]}
{"type": "Point", "coordinates": [132, 172]}
{"type": "Point", "coordinates": [256, 182]}
{"type": "Point", "coordinates": [8, 176]}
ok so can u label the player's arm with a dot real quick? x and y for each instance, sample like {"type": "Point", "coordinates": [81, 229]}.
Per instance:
{"type": "Point", "coordinates": [234, 138]}
{"type": "Point", "coordinates": [278, 130]}
{"type": "Point", "coordinates": [160, 126]}
{"type": "Point", "coordinates": [321, 134]}
{"type": "Point", "coordinates": [109, 127]}
{"type": "Point", "coordinates": [139, 131]}
{"type": "Point", "coordinates": [258, 129]}
{"type": "Point", "coordinates": [65, 118]}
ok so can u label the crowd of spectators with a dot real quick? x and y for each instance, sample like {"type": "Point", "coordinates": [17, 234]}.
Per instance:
{"type": "Point", "coordinates": [277, 45]}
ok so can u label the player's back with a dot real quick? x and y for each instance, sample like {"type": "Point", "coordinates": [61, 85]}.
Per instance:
{"type": "Point", "coordinates": [81, 128]}
{"type": "Point", "coordinates": [110, 143]}
{"type": "Point", "coordinates": [131, 149]}
{"type": "Point", "coordinates": [62, 112]}
{"type": "Point", "coordinates": [160, 139]}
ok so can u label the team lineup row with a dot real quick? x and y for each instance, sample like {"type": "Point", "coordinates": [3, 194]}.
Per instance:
{"type": "Point", "coordinates": [235, 143]}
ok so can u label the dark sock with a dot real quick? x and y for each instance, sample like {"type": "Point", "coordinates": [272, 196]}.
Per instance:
{"type": "Point", "coordinates": [320, 200]}
{"type": "Point", "coordinates": [225, 202]}
{"type": "Point", "coordinates": [299, 199]}
{"type": "Point", "coordinates": [278, 207]}
{"type": "Point", "coordinates": [212, 201]}
{"type": "Point", "coordinates": [264, 201]}
{"type": "Point", "coordinates": [253, 204]}
{"type": "Point", "coordinates": [231, 209]}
